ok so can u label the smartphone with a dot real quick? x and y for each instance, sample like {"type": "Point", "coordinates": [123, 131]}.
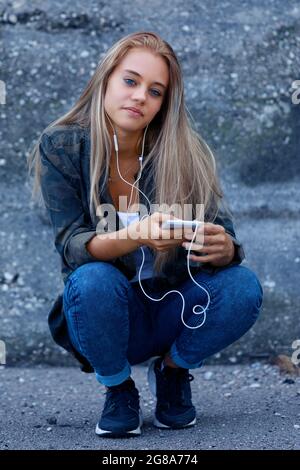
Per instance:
{"type": "Point", "coordinates": [177, 223]}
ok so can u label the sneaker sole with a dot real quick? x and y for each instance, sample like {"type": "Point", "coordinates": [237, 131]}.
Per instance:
{"type": "Point", "coordinates": [160, 425]}
{"type": "Point", "coordinates": [132, 433]}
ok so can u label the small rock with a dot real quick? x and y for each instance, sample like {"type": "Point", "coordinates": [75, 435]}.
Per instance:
{"type": "Point", "coordinates": [288, 381]}
{"type": "Point", "coordinates": [84, 54]}
{"type": "Point", "coordinates": [254, 385]}
{"type": "Point", "coordinates": [12, 19]}
{"type": "Point", "coordinates": [52, 420]}
{"type": "Point", "coordinates": [279, 415]}
{"type": "Point", "coordinates": [268, 283]}
{"type": "Point", "coordinates": [208, 375]}
{"type": "Point", "coordinates": [8, 277]}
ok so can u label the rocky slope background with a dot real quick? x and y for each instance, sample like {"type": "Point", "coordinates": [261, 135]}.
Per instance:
{"type": "Point", "coordinates": [239, 60]}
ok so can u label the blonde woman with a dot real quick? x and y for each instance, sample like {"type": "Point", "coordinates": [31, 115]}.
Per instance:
{"type": "Point", "coordinates": [89, 161]}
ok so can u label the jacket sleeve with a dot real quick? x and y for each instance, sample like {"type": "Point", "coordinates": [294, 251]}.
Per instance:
{"type": "Point", "coordinates": [226, 222]}
{"type": "Point", "coordinates": [60, 186]}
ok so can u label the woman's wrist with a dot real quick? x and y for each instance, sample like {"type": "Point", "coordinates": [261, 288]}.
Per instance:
{"type": "Point", "coordinates": [134, 233]}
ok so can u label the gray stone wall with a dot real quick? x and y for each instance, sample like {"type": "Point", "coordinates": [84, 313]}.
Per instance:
{"type": "Point", "coordinates": [239, 61]}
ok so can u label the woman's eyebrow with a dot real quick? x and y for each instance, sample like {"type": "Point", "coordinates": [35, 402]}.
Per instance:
{"type": "Point", "coordinates": [138, 75]}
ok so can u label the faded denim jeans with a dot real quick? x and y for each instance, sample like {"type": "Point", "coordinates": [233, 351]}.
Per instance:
{"type": "Point", "coordinates": [114, 325]}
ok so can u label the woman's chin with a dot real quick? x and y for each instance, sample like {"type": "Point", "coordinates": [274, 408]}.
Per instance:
{"type": "Point", "coordinates": [127, 125]}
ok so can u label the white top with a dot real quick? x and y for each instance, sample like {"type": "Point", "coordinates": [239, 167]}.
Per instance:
{"type": "Point", "coordinates": [128, 217]}
{"type": "Point", "coordinates": [147, 271]}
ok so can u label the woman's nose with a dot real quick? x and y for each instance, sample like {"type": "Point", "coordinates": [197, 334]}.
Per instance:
{"type": "Point", "coordinates": [139, 94]}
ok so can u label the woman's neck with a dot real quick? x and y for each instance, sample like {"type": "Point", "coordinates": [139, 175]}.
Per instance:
{"type": "Point", "coordinates": [128, 145]}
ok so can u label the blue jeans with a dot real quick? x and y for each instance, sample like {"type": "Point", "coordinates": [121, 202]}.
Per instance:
{"type": "Point", "coordinates": [114, 325]}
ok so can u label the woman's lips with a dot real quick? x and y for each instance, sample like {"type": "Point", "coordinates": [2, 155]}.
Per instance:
{"type": "Point", "coordinates": [133, 113]}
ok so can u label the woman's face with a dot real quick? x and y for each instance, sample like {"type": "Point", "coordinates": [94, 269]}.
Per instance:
{"type": "Point", "coordinates": [127, 89]}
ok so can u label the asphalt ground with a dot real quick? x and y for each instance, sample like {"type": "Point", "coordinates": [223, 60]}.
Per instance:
{"type": "Point", "coordinates": [238, 407]}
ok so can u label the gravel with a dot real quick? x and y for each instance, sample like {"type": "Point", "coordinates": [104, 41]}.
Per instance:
{"type": "Point", "coordinates": [239, 407]}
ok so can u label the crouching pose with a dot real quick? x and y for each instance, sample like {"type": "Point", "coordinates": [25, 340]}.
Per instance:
{"type": "Point", "coordinates": [129, 291]}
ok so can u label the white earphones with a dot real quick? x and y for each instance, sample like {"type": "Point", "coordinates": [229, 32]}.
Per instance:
{"type": "Point", "coordinates": [203, 309]}
{"type": "Point", "coordinates": [141, 157]}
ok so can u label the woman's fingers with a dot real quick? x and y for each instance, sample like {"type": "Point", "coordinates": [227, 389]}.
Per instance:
{"type": "Point", "coordinates": [207, 239]}
{"type": "Point", "coordinates": [203, 248]}
{"type": "Point", "coordinates": [204, 258]}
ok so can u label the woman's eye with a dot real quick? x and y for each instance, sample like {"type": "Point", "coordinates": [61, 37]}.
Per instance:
{"type": "Point", "coordinates": [157, 93]}
{"type": "Point", "coordinates": [128, 79]}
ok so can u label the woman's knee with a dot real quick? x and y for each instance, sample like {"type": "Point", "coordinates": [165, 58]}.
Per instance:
{"type": "Point", "coordinates": [247, 292]}
{"type": "Point", "coordinates": [97, 292]}
{"type": "Point", "coordinates": [99, 280]}
{"type": "Point", "coordinates": [251, 287]}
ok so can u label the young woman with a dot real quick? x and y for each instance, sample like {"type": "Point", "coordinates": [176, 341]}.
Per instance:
{"type": "Point", "coordinates": [91, 160]}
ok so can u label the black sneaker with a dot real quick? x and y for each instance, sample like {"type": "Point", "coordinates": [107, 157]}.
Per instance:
{"type": "Point", "coordinates": [121, 415]}
{"type": "Point", "coordinates": [171, 387]}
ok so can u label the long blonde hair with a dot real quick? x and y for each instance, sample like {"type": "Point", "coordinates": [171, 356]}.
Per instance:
{"type": "Point", "coordinates": [183, 166]}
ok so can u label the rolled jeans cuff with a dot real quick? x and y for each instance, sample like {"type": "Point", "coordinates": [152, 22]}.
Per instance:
{"type": "Point", "coordinates": [181, 362]}
{"type": "Point", "coordinates": [116, 379]}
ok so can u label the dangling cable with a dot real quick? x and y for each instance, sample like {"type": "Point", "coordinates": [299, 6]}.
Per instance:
{"type": "Point", "coordinates": [203, 309]}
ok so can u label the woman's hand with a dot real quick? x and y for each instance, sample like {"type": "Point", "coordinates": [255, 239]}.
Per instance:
{"type": "Point", "coordinates": [149, 232]}
{"type": "Point", "coordinates": [215, 244]}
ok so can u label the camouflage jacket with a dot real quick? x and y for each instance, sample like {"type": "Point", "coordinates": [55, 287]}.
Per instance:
{"type": "Point", "coordinates": [65, 185]}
